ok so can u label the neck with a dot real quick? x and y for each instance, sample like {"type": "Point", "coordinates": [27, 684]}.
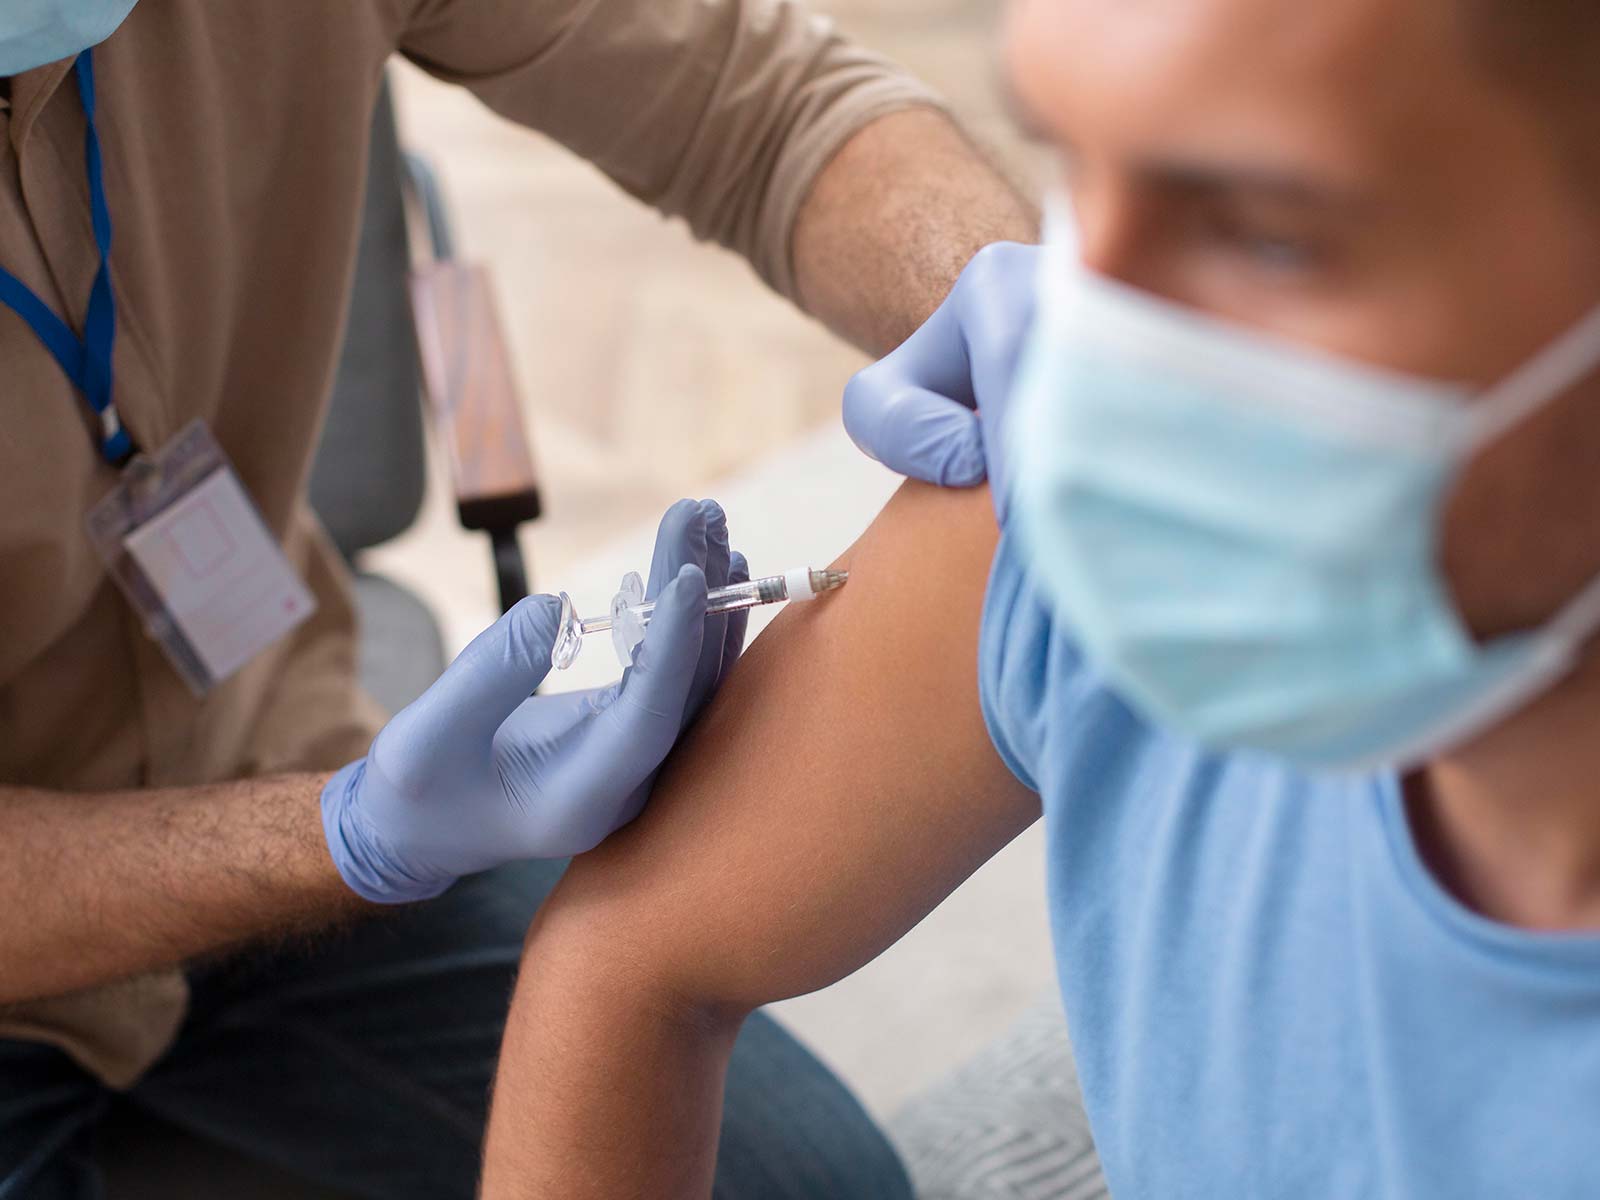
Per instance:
{"type": "Point", "coordinates": [1511, 822]}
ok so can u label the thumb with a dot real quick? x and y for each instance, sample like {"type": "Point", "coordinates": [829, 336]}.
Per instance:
{"type": "Point", "coordinates": [917, 432]}
{"type": "Point", "coordinates": [648, 711]}
{"type": "Point", "coordinates": [497, 671]}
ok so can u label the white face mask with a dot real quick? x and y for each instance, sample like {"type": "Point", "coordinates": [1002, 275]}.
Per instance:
{"type": "Point", "coordinates": [1243, 534]}
{"type": "Point", "coordinates": [36, 32]}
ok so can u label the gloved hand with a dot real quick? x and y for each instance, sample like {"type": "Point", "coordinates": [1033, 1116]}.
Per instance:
{"type": "Point", "coordinates": [476, 772]}
{"type": "Point", "coordinates": [933, 409]}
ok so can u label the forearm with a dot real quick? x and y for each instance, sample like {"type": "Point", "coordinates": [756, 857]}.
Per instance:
{"type": "Point", "coordinates": [99, 886]}
{"type": "Point", "coordinates": [892, 219]}
{"type": "Point", "coordinates": [610, 1086]}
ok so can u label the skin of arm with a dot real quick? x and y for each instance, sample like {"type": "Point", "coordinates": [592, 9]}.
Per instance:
{"type": "Point", "coordinates": [839, 786]}
{"type": "Point", "coordinates": [136, 880]}
{"type": "Point", "coordinates": [892, 219]}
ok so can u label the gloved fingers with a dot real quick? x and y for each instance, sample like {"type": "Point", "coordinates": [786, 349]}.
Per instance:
{"type": "Point", "coordinates": [964, 356]}
{"type": "Point", "coordinates": [923, 434]}
{"type": "Point", "coordinates": [599, 776]}
{"type": "Point", "coordinates": [481, 688]}
{"type": "Point", "coordinates": [738, 622]}
{"type": "Point", "coordinates": [718, 556]}
{"type": "Point", "coordinates": [934, 356]}
{"type": "Point", "coordinates": [992, 433]}
{"type": "Point", "coordinates": [640, 726]}
{"type": "Point", "coordinates": [680, 539]}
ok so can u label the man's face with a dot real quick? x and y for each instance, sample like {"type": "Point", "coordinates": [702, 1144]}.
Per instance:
{"type": "Point", "coordinates": [1343, 174]}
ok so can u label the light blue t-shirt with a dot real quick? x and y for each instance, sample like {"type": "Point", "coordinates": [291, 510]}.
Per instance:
{"type": "Point", "coordinates": [1268, 993]}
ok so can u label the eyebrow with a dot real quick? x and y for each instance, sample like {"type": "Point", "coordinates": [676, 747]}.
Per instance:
{"type": "Point", "coordinates": [1245, 181]}
{"type": "Point", "coordinates": [1208, 178]}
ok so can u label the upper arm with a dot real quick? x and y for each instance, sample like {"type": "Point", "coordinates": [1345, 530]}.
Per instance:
{"type": "Point", "coordinates": [838, 787]}
{"type": "Point", "coordinates": [718, 111]}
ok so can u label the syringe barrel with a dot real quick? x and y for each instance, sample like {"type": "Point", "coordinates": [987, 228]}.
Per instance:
{"type": "Point", "coordinates": [627, 621]}
{"type": "Point", "coordinates": [733, 597]}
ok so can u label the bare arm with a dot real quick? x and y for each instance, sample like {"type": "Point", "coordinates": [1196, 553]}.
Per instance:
{"type": "Point", "coordinates": [95, 887]}
{"type": "Point", "coordinates": [890, 222]}
{"type": "Point", "coordinates": [836, 790]}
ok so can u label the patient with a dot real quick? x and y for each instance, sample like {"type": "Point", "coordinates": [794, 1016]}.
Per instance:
{"type": "Point", "coordinates": [1283, 979]}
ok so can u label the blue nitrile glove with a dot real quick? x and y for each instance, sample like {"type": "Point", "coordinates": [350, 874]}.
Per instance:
{"type": "Point", "coordinates": [932, 409]}
{"type": "Point", "coordinates": [476, 772]}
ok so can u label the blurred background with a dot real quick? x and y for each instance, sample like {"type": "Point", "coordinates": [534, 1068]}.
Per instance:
{"type": "Point", "coordinates": [653, 367]}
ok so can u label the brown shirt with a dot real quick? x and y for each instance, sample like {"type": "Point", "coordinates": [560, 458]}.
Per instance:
{"type": "Point", "coordinates": [234, 137]}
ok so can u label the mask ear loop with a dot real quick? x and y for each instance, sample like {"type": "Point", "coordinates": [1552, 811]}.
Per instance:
{"type": "Point", "coordinates": [1548, 375]}
{"type": "Point", "coordinates": [1557, 646]}
{"type": "Point", "coordinates": [1575, 622]}
{"type": "Point", "coordinates": [1551, 373]}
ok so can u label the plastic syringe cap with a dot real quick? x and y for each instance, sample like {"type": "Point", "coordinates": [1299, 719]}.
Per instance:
{"type": "Point", "coordinates": [797, 581]}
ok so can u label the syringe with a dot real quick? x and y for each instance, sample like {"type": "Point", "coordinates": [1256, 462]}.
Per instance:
{"type": "Point", "coordinates": [631, 612]}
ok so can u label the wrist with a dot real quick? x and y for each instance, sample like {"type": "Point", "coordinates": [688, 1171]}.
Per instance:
{"type": "Point", "coordinates": [369, 865]}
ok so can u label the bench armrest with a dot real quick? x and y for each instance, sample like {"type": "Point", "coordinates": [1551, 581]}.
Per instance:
{"type": "Point", "coordinates": [473, 401]}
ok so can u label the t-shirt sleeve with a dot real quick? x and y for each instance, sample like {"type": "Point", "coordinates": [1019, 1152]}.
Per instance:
{"type": "Point", "coordinates": [1048, 710]}
{"type": "Point", "coordinates": [718, 111]}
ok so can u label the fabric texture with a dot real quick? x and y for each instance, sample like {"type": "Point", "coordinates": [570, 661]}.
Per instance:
{"type": "Point", "coordinates": [1008, 1124]}
{"type": "Point", "coordinates": [1269, 995]}
{"type": "Point", "coordinates": [368, 475]}
{"type": "Point", "coordinates": [362, 1063]}
{"type": "Point", "coordinates": [235, 140]}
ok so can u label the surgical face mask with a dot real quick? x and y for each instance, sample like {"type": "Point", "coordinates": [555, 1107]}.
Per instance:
{"type": "Point", "coordinates": [36, 32]}
{"type": "Point", "coordinates": [1243, 535]}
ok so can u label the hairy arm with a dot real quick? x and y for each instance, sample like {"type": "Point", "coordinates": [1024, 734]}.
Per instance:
{"type": "Point", "coordinates": [890, 222]}
{"type": "Point", "coordinates": [831, 169]}
{"type": "Point", "coordinates": [96, 887]}
{"type": "Point", "coordinates": [839, 786]}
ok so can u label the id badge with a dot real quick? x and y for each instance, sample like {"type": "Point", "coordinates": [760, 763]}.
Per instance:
{"type": "Point", "coordinates": [184, 542]}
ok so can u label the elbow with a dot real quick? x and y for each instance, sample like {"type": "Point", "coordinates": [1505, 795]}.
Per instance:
{"type": "Point", "coordinates": [24, 978]}
{"type": "Point", "coordinates": [620, 966]}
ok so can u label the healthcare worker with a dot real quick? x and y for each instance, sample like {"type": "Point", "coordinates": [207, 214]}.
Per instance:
{"type": "Point", "coordinates": [179, 197]}
{"type": "Point", "coordinates": [1290, 630]}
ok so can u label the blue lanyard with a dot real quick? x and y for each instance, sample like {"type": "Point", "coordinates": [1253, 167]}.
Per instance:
{"type": "Point", "coordinates": [87, 362]}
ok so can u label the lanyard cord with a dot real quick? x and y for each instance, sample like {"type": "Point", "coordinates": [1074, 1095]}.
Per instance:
{"type": "Point", "coordinates": [86, 362]}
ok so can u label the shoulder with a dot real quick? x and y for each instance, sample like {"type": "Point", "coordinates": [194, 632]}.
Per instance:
{"type": "Point", "coordinates": [1045, 704]}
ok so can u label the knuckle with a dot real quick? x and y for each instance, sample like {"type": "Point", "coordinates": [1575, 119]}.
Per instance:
{"type": "Point", "coordinates": [680, 515]}
{"type": "Point", "coordinates": [678, 520]}
{"type": "Point", "coordinates": [862, 396]}
{"type": "Point", "coordinates": [994, 265]}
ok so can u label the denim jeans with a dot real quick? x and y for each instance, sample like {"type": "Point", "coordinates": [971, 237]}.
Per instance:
{"type": "Point", "coordinates": [363, 1061]}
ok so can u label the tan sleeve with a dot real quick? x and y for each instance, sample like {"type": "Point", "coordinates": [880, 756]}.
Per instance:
{"type": "Point", "coordinates": [116, 1031]}
{"type": "Point", "coordinates": [718, 111]}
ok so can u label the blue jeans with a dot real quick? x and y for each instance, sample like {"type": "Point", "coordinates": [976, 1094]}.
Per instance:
{"type": "Point", "coordinates": [362, 1061]}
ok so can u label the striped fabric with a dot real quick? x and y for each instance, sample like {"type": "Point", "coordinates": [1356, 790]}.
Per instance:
{"type": "Point", "coordinates": [1008, 1125]}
